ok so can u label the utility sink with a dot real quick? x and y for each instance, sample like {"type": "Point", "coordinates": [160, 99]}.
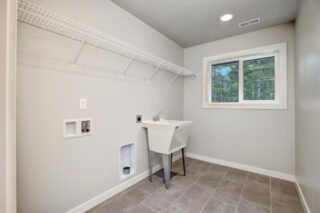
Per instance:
{"type": "Point", "coordinates": [167, 136]}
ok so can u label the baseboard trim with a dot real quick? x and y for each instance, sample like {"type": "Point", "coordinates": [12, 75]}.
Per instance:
{"type": "Point", "coordinates": [258, 170]}
{"type": "Point", "coordinates": [115, 190]}
{"type": "Point", "coordinates": [302, 198]}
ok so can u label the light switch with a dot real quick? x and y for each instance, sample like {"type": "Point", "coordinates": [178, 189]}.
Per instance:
{"type": "Point", "coordinates": [83, 103]}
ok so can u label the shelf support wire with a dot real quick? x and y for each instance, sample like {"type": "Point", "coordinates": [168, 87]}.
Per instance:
{"type": "Point", "coordinates": [155, 72]}
{"type": "Point", "coordinates": [174, 79]}
{"type": "Point", "coordinates": [129, 64]}
{"type": "Point", "coordinates": [78, 53]}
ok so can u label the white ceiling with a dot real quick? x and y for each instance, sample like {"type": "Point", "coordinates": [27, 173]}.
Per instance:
{"type": "Point", "coordinates": [192, 22]}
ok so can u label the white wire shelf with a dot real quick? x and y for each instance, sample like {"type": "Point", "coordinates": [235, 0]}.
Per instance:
{"type": "Point", "coordinates": [43, 18]}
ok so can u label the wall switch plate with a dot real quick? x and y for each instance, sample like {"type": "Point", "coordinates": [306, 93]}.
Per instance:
{"type": "Point", "coordinates": [83, 103]}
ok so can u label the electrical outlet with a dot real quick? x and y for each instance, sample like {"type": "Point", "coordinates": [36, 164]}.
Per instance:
{"type": "Point", "coordinates": [138, 118]}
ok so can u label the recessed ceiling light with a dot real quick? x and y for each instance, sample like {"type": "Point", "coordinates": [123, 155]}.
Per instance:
{"type": "Point", "coordinates": [226, 17]}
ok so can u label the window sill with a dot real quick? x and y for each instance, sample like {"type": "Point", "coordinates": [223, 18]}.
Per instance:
{"type": "Point", "coordinates": [245, 106]}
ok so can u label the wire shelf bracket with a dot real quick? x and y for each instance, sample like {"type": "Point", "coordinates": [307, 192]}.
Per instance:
{"type": "Point", "coordinates": [128, 65]}
{"type": "Point", "coordinates": [155, 72]}
{"type": "Point", "coordinates": [174, 79]}
{"type": "Point", "coordinates": [78, 53]}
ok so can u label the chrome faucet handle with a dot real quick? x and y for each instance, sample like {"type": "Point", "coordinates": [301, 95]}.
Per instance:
{"type": "Point", "coordinates": [157, 117]}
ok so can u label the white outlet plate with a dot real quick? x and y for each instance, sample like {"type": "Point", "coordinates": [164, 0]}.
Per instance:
{"type": "Point", "coordinates": [83, 103]}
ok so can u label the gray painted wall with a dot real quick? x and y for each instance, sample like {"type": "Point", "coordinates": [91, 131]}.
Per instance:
{"type": "Point", "coordinates": [55, 175]}
{"type": "Point", "coordinates": [308, 101]}
{"type": "Point", "coordinates": [223, 133]}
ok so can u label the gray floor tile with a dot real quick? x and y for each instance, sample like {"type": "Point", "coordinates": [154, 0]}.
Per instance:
{"type": "Point", "coordinates": [285, 204]}
{"type": "Point", "coordinates": [210, 187]}
{"type": "Point", "coordinates": [189, 162]}
{"type": "Point", "coordinates": [200, 166]}
{"type": "Point", "coordinates": [216, 206]}
{"type": "Point", "coordinates": [229, 191]}
{"type": "Point", "coordinates": [150, 187]}
{"type": "Point", "coordinates": [177, 167]}
{"type": "Point", "coordinates": [219, 168]}
{"type": "Point", "coordinates": [283, 187]}
{"type": "Point", "coordinates": [249, 207]}
{"type": "Point", "coordinates": [174, 209]}
{"type": "Point", "coordinates": [162, 199]}
{"type": "Point", "coordinates": [186, 181]}
{"type": "Point", "coordinates": [257, 193]}
{"type": "Point", "coordinates": [210, 178]}
{"type": "Point", "coordinates": [259, 178]}
{"type": "Point", "coordinates": [142, 209]}
{"type": "Point", "coordinates": [123, 203]}
{"type": "Point", "coordinates": [194, 199]}
{"type": "Point", "coordinates": [237, 175]}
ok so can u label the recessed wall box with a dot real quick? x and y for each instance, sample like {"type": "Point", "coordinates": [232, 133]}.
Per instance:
{"type": "Point", "coordinates": [77, 127]}
{"type": "Point", "coordinates": [85, 126]}
{"type": "Point", "coordinates": [127, 166]}
{"type": "Point", "coordinates": [70, 128]}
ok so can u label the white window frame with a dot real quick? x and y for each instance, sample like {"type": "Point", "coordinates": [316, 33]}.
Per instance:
{"type": "Point", "coordinates": [278, 51]}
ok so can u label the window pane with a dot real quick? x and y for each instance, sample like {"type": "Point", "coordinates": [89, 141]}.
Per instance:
{"type": "Point", "coordinates": [258, 79]}
{"type": "Point", "coordinates": [225, 82]}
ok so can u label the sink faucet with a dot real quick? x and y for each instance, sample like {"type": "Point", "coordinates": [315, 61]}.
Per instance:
{"type": "Point", "coordinates": [157, 117]}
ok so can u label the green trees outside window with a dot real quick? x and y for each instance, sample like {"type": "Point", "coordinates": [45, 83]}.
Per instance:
{"type": "Point", "coordinates": [258, 79]}
{"type": "Point", "coordinates": [225, 82]}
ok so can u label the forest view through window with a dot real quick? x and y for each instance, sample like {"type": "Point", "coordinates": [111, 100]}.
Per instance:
{"type": "Point", "coordinates": [257, 84]}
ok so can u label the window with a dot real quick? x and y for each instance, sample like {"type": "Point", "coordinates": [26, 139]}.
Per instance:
{"type": "Point", "coordinates": [258, 79]}
{"type": "Point", "coordinates": [255, 78]}
{"type": "Point", "coordinates": [225, 82]}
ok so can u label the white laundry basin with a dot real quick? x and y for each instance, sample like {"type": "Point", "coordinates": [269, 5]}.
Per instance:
{"type": "Point", "coordinates": [167, 136]}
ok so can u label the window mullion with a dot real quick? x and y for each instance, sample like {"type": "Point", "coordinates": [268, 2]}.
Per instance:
{"type": "Point", "coordinates": [240, 80]}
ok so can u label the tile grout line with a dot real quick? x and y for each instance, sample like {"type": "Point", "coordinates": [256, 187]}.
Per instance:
{"type": "Point", "coordinates": [223, 177]}
{"type": "Point", "coordinates": [172, 204]}
{"type": "Point", "coordinates": [178, 196]}
{"type": "Point", "coordinates": [149, 208]}
{"type": "Point", "coordinates": [257, 204]}
{"type": "Point", "coordinates": [206, 203]}
{"type": "Point", "coordinates": [154, 191]}
{"type": "Point", "coordinates": [211, 196]}
{"type": "Point", "coordinates": [245, 183]}
{"type": "Point", "coordinates": [142, 200]}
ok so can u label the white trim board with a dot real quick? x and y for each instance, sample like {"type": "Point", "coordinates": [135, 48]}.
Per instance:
{"type": "Point", "coordinates": [258, 170]}
{"type": "Point", "coordinates": [115, 190]}
{"type": "Point", "coordinates": [302, 198]}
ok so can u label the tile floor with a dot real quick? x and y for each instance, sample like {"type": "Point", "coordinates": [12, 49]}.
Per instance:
{"type": "Point", "coordinates": [207, 188]}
